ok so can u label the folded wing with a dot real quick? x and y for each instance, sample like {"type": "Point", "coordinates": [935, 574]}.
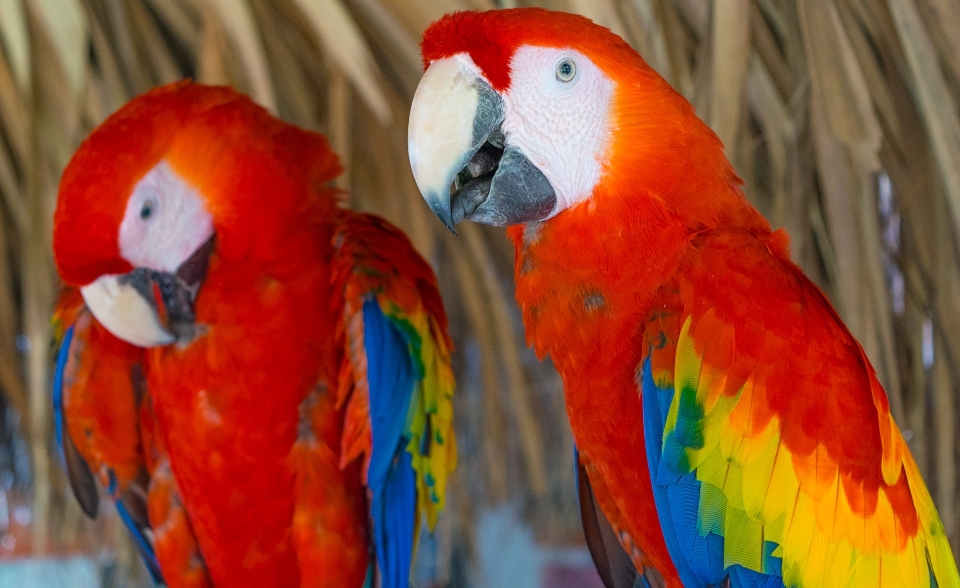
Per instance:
{"type": "Point", "coordinates": [774, 457]}
{"type": "Point", "coordinates": [96, 412]}
{"type": "Point", "coordinates": [396, 383]}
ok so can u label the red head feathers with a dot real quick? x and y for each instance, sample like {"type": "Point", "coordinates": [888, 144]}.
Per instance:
{"type": "Point", "coordinates": [176, 124]}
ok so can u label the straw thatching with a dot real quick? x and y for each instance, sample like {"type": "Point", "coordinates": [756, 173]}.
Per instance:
{"type": "Point", "coordinates": [840, 115]}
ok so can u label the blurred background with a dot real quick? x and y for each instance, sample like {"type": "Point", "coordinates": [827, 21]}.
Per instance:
{"type": "Point", "coordinates": [840, 115]}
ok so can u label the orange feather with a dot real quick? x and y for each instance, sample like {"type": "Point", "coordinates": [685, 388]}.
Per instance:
{"type": "Point", "coordinates": [254, 480]}
{"type": "Point", "coordinates": [667, 242]}
{"type": "Point", "coordinates": [110, 420]}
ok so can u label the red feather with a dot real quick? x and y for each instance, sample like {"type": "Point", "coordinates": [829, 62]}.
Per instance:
{"type": "Point", "coordinates": [667, 234]}
{"type": "Point", "coordinates": [244, 433]}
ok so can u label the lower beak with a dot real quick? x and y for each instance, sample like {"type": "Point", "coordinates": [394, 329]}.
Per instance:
{"type": "Point", "coordinates": [464, 166]}
{"type": "Point", "coordinates": [149, 308]}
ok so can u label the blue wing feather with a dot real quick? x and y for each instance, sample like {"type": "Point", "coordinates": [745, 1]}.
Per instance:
{"type": "Point", "coordinates": [696, 551]}
{"type": "Point", "coordinates": [62, 355]}
{"type": "Point", "coordinates": [391, 478]}
{"type": "Point", "coordinates": [139, 538]}
{"type": "Point", "coordinates": [656, 401]}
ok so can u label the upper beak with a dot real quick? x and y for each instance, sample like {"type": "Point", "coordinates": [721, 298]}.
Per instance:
{"type": "Point", "coordinates": [149, 308]}
{"type": "Point", "coordinates": [463, 164]}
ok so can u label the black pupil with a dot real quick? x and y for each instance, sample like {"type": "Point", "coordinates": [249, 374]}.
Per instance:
{"type": "Point", "coordinates": [565, 68]}
{"type": "Point", "coordinates": [146, 211]}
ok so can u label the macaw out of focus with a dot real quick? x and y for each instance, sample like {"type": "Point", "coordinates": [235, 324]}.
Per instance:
{"type": "Point", "coordinates": [259, 379]}
{"type": "Point", "coordinates": [730, 430]}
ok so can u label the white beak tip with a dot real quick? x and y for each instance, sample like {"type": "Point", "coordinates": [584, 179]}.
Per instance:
{"type": "Point", "coordinates": [125, 313]}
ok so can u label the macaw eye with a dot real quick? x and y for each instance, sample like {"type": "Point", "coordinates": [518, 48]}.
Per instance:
{"type": "Point", "coordinates": [146, 211]}
{"type": "Point", "coordinates": [566, 70]}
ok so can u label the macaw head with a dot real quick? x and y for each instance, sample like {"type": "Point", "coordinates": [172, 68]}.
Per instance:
{"type": "Point", "coordinates": [177, 175]}
{"type": "Point", "coordinates": [524, 113]}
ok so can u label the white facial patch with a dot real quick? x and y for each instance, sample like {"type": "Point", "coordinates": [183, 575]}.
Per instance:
{"type": "Point", "coordinates": [558, 115]}
{"type": "Point", "coordinates": [165, 221]}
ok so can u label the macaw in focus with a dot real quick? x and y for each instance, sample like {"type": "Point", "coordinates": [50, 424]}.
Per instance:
{"type": "Point", "coordinates": [730, 430]}
{"type": "Point", "coordinates": [259, 379]}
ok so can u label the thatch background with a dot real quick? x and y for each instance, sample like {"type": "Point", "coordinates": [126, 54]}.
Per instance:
{"type": "Point", "coordinates": [841, 116]}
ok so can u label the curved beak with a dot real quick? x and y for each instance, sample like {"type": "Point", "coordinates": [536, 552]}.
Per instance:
{"type": "Point", "coordinates": [149, 308]}
{"type": "Point", "coordinates": [464, 166]}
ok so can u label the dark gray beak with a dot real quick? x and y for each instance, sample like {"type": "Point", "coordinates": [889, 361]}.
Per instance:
{"type": "Point", "coordinates": [464, 166]}
{"type": "Point", "coordinates": [150, 308]}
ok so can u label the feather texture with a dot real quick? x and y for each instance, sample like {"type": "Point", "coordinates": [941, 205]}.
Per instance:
{"type": "Point", "coordinates": [94, 404]}
{"type": "Point", "coordinates": [776, 451]}
{"type": "Point", "coordinates": [761, 449]}
{"type": "Point", "coordinates": [390, 475]}
{"type": "Point", "coordinates": [259, 433]}
{"type": "Point", "coordinates": [396, 383]}
{"type": "Point", "coordinates": [613, 564]}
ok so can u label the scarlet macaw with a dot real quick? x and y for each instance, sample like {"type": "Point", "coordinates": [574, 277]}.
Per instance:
{"type": "Point", "coordinates": [252, 373]}
{"type": "Point", "coordinates": [730, 429]}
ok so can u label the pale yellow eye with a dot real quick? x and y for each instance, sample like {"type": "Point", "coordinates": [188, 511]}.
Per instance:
{"type": "Point", "coordinates": [566, 70]}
